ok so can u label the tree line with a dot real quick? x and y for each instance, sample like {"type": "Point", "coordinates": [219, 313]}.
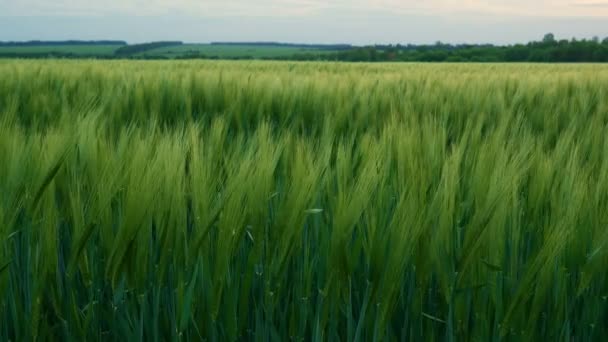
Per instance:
{"type": "Point", "coordinates": [290, 45]}
{"type": "Point", "coordinates": [547, 50]}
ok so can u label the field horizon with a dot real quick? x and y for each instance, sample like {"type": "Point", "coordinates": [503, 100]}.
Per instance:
{"type": "Point", "coordinates": [549, 49]}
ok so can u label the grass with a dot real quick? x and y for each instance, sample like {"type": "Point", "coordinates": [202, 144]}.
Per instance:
{"type": "Point", "coordinates": [83, 50]}
{"type": "Point", "coordinates": [302, 201]}
{"type": "Point", "coordinates": [233, 51]}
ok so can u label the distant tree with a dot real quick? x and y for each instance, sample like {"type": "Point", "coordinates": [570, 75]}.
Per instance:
{"type": "Point", "coordinates": [605, 41]}
{"type": "Point", "coordinates": [549, 38]}
{"type": "Point", "coordinates": [595, 39]}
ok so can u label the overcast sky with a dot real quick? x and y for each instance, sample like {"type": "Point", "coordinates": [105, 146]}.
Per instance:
{"type": "Point", "coordinates": [305, 21]}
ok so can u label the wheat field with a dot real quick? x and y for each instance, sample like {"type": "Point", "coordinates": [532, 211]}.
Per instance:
{"type": "Point", "coordinates": [276, 201]}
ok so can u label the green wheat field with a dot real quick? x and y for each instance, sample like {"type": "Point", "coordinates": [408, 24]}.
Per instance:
{"type": "Point", "coordinates": [276, 201]}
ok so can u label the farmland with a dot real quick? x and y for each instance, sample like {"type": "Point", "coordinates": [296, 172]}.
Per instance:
{"type": "Point", "coordinates": [163, 50]}
{"type": "Point", "coordinates": [44, 50]}
{"type": "Point", "coordinates": [273, 201]}
{"type": "Point", "coordinates": [232, 51]}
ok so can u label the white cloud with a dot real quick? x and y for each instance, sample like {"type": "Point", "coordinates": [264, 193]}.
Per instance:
{"type": "Point", "coordinates": [299, 8]}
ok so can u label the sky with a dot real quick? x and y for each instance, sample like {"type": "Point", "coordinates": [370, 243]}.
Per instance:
{"type": "Point", "coordinates": [357, 22]}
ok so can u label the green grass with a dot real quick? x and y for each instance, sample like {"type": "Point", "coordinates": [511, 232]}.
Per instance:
{"type": "Point", "coordinates": [233, 51]}
{"type": "Point", "coordinates": [268, 201]}
{"type": "Point", "coordinates": [84, 50]}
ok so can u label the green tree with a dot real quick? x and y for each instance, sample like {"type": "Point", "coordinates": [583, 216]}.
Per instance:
{"type": "Point", "coordinates": [549, 38]}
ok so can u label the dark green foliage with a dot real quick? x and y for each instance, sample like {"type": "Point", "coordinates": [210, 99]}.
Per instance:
{"type": "Point", "coordinates": [545, 51]}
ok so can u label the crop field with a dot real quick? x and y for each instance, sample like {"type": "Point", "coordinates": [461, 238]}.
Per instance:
{"type": "Point", "coordinates": [81, 50]}
{"type": "Point", "coordinates": [275, 201]}
{"type": "Point", "coordinates": [232, 51]}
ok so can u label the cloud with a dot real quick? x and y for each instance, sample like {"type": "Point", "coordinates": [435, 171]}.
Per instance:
{"type": "Point", "coordinates": [303, 8]}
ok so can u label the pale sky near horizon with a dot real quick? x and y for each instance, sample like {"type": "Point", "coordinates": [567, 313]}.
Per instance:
{"type": "Point", "coordinates": [305, 21]}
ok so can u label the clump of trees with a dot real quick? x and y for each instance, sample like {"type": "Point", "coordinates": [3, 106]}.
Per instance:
{"type": "Point", "coordinates": [547, 50]}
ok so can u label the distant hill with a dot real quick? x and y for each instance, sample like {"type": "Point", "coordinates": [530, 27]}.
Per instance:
{"type": "Point", "coordinates": [234, 51]}
{"type": "Point", "coordinates": [65, 49]}
{"type": "Point", "coordinates": [138, 48]}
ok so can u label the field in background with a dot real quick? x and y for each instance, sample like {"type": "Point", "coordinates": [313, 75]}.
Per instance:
{"type": "Point", "coordinates": [271, 201]}
{"type": "Point", "coordinates": [174, 50]}
{"type": "Point", "coordinates": [80, 50]}
{"type": "Point", "coordinates": [232, 51]}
